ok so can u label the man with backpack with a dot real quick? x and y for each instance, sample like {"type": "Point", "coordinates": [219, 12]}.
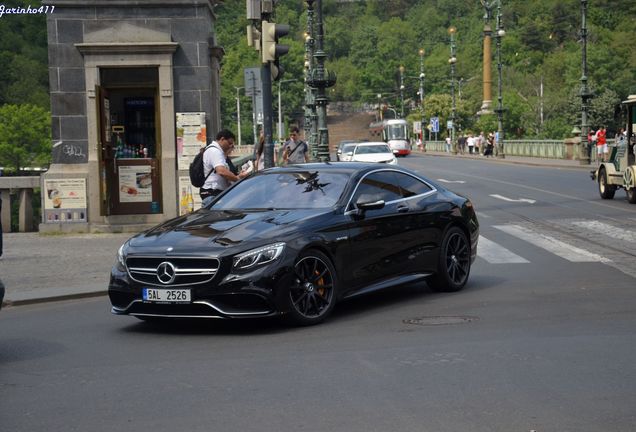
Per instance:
{"type": "Point", "coordinates": [218, 175]}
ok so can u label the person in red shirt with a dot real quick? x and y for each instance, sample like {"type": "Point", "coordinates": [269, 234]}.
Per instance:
{"type": "Point", "coordinates": [601, 144]}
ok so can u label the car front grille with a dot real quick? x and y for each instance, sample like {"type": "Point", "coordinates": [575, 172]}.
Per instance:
{"type": "Point", "coordinates": [187, 270]}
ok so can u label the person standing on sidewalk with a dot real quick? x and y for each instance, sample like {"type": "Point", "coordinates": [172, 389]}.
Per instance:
{"type": "Point", "coordinates": [216, 167]}
{"type": "Point", "coordinates": [601, 144]}
{"type": "Point", "coordinates": [295, 150]}
{"type": "Point", "coordinates": [447, 144]}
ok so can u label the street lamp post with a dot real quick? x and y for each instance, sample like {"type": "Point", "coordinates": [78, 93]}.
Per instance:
{"type": "Point", "coordinates": [586, 94]}
{"type": "Point", "coordinates": [311, 125]}
{"type": "Point", "coordinates": [238, 114]}
{"type": "Point", "coordinates": [380, 106]}
{"type": "Point", "coordinates": [487, 58]}
{"type": "Point", "coordinates": [500, 133]}
{"type": "Point", "coordinates": [402, 91]}
{"type": "Point", "coordinates": [452, 60]}
{"type": "Point", "coordinates": [320, 80]}
{"type": "Point", "coordinates": [421, 52]}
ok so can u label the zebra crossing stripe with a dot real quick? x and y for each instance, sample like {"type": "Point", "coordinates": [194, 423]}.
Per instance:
{"type": "Point", "coordinates": [557, 247]}
{"type": "Point", "coordinates": [497, 254]}
{"type": "Point", "coordinates": [607, 229]}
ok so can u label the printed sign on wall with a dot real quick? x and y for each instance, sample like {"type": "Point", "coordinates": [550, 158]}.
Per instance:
{"type": "Point", "coordinates": [65, 200]}
{"type": "Point", "coordinates": [191, 136]}
{"type": "Point", "coordinates": [135, 183]}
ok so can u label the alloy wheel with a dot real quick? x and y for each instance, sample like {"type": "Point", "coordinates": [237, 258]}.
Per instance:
{"type": "Point", "coordinates": [312, 294]}
{"type": "Point", "coordinates": [457, 258]}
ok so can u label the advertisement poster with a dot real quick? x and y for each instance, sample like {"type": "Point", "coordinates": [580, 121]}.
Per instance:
{"type": "Point", "coordinates": [189, 199]}
{"type": "Point", "coordinates": [65, 200]}
{"type": "Point", "coordinates": [191, 136]}
{"type": "Point", "coordinates": [135, 183]}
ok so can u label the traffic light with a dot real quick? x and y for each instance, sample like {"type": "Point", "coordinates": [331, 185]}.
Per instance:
{"type": "Point", "coordinates": [272, 51]}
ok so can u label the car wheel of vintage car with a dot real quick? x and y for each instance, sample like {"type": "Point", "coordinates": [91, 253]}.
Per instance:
{"type": "Point", "coordinates": [453, 265]}
{"type": "Point", "coordinates": [313, 293]}
{"type": "Point", "coordinates": [606, 191]}
{"type": "Point", "coordinates": [631, 195]}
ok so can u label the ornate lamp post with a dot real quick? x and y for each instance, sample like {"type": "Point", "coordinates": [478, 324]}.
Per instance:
{"type": "Point", "coordinates": [320, 80]}
{"type": "Point", "coordinates": [500, 133]}
{"type": "Point", "coordinates": [238, 115]}
{"type": "Point", "coordinates": [421, 53]}
{"type": "Point", "coordinates": [311, 119]}
{"type": "Point", "coordinates": [452, 60]}
{"type": "Point", "coordinates": [586, 94]}
{"type": "Point", "coordinates": [402, 91]}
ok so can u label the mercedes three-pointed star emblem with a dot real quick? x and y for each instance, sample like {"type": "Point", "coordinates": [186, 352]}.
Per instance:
{"type": "Point", "coordinates": [166, 273]}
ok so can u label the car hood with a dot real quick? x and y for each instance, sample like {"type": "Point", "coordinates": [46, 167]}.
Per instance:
{"type": "Point", "coordinates": [379, 157]}
{"type": "Point", "coordinates": [210, 230]}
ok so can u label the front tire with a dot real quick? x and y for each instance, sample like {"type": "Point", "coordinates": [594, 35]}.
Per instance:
{"type": "Point", "coordinates": [312, 295]}
{"type": "Point", "coordinates": [605, 190]}
{"type": "Point", "coordinates": [453, 265]}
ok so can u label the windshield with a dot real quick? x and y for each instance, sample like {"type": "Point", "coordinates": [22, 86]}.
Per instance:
{"type": "Point", "coordinates": [367, 149]}
{"type": "Point", "coordinates": [285, 190]}
{"type": "Point", "coordinates": [396, 132]}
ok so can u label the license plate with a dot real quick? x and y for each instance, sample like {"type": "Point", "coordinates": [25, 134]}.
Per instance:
{"type": "Point", "coordinates": [167, 295]}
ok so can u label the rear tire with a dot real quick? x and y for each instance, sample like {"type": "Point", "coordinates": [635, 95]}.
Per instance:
{"type": "Point", "coordinates": [605, 190]}
{"type": "Point", "coordinates": [453, 266]}
{"type": "Point", "coordinates": [631, 195]}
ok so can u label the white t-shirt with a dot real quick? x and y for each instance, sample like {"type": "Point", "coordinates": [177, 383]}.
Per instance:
{"type": "Point", "coordinates": [471, 142]}
{"type": "Point", "coordinates": [212, 158]}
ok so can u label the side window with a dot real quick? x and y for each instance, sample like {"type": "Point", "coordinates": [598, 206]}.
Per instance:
{"type": "Point", "coordinates": [379, 186]}
{"type": "Point", "coordinates": [410, 186]}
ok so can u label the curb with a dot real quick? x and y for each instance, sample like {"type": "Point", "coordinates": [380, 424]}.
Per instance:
{"type": "Point", "coordinates": [32, 301]}
{"type": "Point", "coordinates": [508, 161]}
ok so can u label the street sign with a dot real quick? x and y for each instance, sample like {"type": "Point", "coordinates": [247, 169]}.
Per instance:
{"type": "Point", "coordinates": [417, 127]}
{"type": "Point", "coordinates": [434, 124]}
{"type": "Point", "coordinates": [252, 80]}
{"type": "Point", "coordinates": [449, 124]}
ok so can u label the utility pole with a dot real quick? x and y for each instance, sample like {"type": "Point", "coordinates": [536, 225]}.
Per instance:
{"type": "Point", "coordinates": [486, 106]}
{"type": "Point", "coordinates": [586, 94]}
{"type": "Point", "coordinates": [421, 52]}
{"type": "Point", "coordinates": [401, 91]}
{"type": "Point", "coordinates": [452, 60]}
{"type": "Point", "coordinates": [500, 132]}
{"type": "Point", "coordinates": [238, 114]}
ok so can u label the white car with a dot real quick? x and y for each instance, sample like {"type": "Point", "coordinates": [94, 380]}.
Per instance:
{"type": "Point", "coordinates": [370, 152]}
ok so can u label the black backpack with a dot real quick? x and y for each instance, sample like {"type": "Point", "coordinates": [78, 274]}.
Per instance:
{"type": "Point", "coordinates": [197, 170]}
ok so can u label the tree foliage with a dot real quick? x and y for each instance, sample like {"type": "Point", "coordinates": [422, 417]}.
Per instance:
{"type": "Point", "coordinates": [25, 136]}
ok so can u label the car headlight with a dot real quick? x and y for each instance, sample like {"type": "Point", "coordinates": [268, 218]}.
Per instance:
{"type": "Point", "coordinates": [121, 257]}
{"type": "Point", "coordinates": [256, 257]}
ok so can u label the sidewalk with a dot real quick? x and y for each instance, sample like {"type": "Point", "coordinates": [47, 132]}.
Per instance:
{"type": "Point", "coordinates": [38, 268]}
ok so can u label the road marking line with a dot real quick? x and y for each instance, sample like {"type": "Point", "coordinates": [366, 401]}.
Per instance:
{"type": "Point", "coordinates": [607, 229]}
{"type": "Point", "coordinates": [531, 201]}
{"type": "Point", "coordinates": [451, 181]}
{"type": "Point", "coordinates": [497, 254]}
{"type": "Point", "coordinates": [557, 247]}
{"type": "Point", "coordinates": [483, 215]}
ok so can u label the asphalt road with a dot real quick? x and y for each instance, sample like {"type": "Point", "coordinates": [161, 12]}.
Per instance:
{"type": "Point", "coordinates": [544, 341]}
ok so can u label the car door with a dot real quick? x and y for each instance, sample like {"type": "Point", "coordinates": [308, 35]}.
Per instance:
{"type": "Point", "coordinates": [421, 222]}
{"type": "Point", "coordinates": [377, 239]}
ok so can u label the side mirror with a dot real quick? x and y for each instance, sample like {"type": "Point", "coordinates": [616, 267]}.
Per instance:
{"type": "Point", "coordinates": [350, 153]}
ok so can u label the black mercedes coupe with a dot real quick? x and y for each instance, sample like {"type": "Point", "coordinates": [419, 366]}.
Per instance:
{"type": "Point", "coordinates": [293, 241]}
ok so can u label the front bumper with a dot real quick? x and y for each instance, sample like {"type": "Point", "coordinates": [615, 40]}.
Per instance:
{"type": "Point", "coordinates": [260, 293]}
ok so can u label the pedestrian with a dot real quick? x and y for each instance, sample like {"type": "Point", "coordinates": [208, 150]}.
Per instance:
{"type": "Point", "coordinates": [470, 141]}
{"type": "Point", "coordinates": [461, 143]}
{"type": "Point", "coordinates": [447, 144]}
{"type": "Point", "coordinates": [295, 150]}
{"type": "Point", "coordinates": [216, 167]}
{"type": "Point", "coordinates": [260, 148]}
{"type": "Point", "coordinates": [490, 145]}
{"type": "Point", "coordinates": [419, 144]}
{"type": "Point", "coordinates": [481, 143]}
{"type": "Point", "coordinates": [601, 144]}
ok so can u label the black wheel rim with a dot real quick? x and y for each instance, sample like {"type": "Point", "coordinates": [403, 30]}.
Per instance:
{"type": "Point", "coordinates": [312, 293]}
{"type": "Point", "coordinates": [457, 258]}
